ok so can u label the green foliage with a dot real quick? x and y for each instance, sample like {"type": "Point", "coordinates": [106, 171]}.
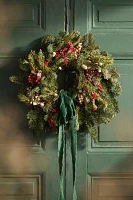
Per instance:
{"type": "Point", "coordinates": [24, 65]}
{"type": "Point", "coordinates": [36, 120]}
{"type": "Point", "coordinates": [94, 85]}
{"type": "Point", "coordinates": [91, 43]}
{"type": "Point", "coordinates": [23, 98]}
{"type": "Point", "coordinates": [16, 79]}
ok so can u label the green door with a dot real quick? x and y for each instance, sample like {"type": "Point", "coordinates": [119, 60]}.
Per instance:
{"type": "Point", "coordinates": [27, 171]}
{"type": "Point", "coordinates": [109, 168]}
{"type": "Point", "coordinates": [105, 169]}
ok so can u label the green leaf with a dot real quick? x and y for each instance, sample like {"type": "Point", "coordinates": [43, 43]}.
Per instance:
{"type": "Point", "coordinates": [23, 98]}
{"type": "Point", "coordinates": [24, 65]}
{"type": "Point", "coordinates": [16, 79]}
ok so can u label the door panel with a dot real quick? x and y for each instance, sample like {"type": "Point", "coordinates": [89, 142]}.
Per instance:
{"type": "Point", "coordinates": [27, 171]}
{"type": "Point", "coordinates": [112, 188]}
{"type": "Point", "coordinates": [16, 187]}
{"type": "Point", "coordinates": [28, 20]}
{"type": "Point", "coordinates": [110, 161]}
{"type": "Point", "coordinates": [120, 129]}
{"type": "Point", "coordinates": [112, 23]}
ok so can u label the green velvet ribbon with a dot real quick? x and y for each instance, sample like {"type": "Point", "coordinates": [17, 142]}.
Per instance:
{"type": "Point", "coordinates": [67, 115]}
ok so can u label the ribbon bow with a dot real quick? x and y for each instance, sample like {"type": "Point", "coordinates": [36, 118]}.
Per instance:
{"type": "Point", "coordinates": [67, 115]}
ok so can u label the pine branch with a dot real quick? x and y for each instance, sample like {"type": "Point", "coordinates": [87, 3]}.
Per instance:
{"type": "Point", "coordinates": [23, 98]}
{"type": "Point", "coordinates": [91, 43]}
{"type": "Point", "coordinates": [16, 79]}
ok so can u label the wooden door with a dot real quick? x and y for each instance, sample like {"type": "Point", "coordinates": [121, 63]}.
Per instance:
{"type": "Point", "coordinates": [27, 171]}
{"type": "Point", "coordinates": [105, 169]}
{"type": "Point", "coordinates": [109, 168]}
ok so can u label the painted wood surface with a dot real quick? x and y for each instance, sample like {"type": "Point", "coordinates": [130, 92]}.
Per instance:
{"type": "Point", "coordinates": [109, 168]}
{"type": "Point", "coordinates": [27, 171]}
{"type": "Point", "coordinates": [105, 169]}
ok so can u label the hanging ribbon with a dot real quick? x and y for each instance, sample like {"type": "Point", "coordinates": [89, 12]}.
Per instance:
{"type": "Point", "coordinates": [67, 115]}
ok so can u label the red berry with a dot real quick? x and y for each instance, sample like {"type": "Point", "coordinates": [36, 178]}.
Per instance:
{"type": "Point", "coordinates": [94, 95]}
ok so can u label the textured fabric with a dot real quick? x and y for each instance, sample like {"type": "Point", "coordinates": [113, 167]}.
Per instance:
{"type": "Point", "coordinates": [67, 115]}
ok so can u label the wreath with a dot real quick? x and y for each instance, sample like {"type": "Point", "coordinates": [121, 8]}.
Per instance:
{"type": "Point", "coordinates": [86, 98]}
{"type": "Point", "coordinates": [94, 86]}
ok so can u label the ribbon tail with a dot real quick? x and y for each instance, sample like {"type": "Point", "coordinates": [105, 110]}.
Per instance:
{"type": "Point", "coordinates": [67, 113]}
{"type": "Point", "coordinates": [61, 140]}
{"type": "Point", "coordinates": [73, 134]}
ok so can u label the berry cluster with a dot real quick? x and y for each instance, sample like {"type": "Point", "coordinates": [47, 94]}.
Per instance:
{"type": "Point", "coordinates": [89, 74]}
{"type": "Point", "coordinates": [34, 78]}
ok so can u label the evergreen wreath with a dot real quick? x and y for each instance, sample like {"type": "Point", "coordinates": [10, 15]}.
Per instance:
{"type": "Point", "coordinates": [94, 87]}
